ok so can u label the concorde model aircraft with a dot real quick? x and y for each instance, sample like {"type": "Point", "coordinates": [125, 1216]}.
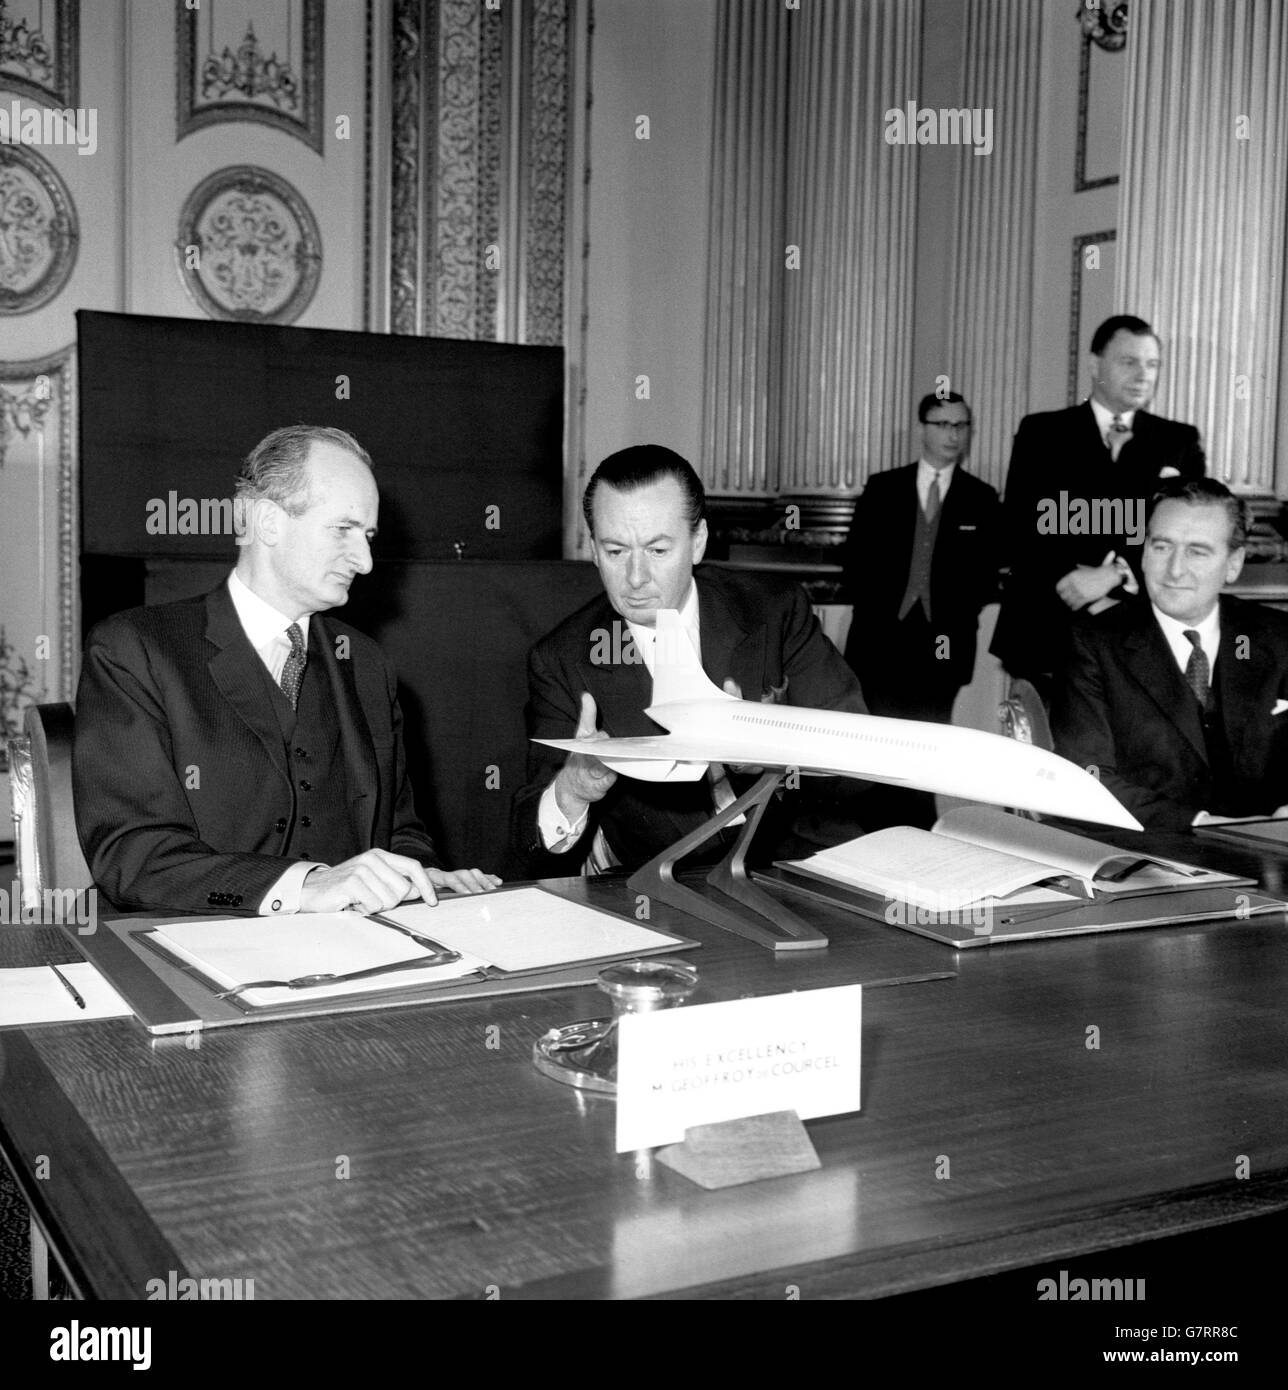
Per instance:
{"type": "Point", "coordinates": [708, 725]}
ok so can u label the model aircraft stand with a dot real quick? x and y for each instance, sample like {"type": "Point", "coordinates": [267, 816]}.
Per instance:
{"type": "Point", "coordinates": [732, 900]}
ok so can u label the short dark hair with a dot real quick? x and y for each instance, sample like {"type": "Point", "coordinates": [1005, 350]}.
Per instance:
{"type": "Point", "coordinates": [1124, 323]}
{"type": "Point", "coordinates": [928, 403]}
{"type": "Point", "coordinates": [639, 466]}
{"type": "Point", "coordinates": [274, 468]}
{"type": "Point", "coordinates": [1206, 492]}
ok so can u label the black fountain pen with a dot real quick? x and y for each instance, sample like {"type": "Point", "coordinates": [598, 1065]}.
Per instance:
{"type": "Point", "coordinates": [69, 987]}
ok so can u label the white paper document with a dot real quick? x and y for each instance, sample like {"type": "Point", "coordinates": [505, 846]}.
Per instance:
{"type": "Point", "coordinates": [36, 995]}
{"type": "Point", "coordinates": [241, 950]}
{"type": "Point", "coordinates": [528, 929]}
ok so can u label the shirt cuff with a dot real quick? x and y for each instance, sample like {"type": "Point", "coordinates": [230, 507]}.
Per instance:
{"type": "Point", "coordinates": [557, 834]}
{"type": "Point", "coordinates": [284, 895]}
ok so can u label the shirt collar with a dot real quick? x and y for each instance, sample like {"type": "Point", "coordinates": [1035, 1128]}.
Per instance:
{"type": "Point", "coordinates": [1209, 631]}
{"type": "Point", "coordinates": [645, 637]}
{"type": "Point", "coordinates": [927, 471]}
{"type": "Point", "coordinates": [260, 621]}
{"type": "Point", "coordinates": [1105, 416]}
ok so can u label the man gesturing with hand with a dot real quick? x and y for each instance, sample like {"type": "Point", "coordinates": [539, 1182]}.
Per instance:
{"type": "Point", "coordinates": [593, 676]}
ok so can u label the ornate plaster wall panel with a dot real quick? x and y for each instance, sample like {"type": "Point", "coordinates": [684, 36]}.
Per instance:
{"type": "Point", "coordinates": [37, 533]}
{"type": "Point", "coordinates": [270, 71]}
{"type": "Point", "coordinates": [248, 247]}
{"type": "Point", "coordinates": [39, 51]}
{"type": "Point", "coordinates": [38, 232]}
{"type": "Point", "coordinates": [478, 169]}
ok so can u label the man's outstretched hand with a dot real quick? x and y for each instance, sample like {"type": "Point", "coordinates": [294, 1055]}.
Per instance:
{"type": "Point", "coordinates": [378, 879]}
{"type": "Point", "coordinates": [583, 779]}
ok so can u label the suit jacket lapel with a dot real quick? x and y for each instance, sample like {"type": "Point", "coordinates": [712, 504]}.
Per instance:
{"type": "Point", "coordinates": [1149, 659]}
{"type": "Point", "coordinates": [1242, 677]}
{"type": "Point", "coordinates": [238, 674]}
{"type": "Point", "coordinates": [355, 733]}
{"type": "Point", "coordinates": [728, 647]}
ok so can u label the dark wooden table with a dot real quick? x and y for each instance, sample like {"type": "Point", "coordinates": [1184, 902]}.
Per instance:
{"type": "Point", "coordinates": [417, 1153]}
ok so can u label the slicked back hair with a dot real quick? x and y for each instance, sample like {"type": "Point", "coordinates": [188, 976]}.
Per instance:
{"type": "Point", "coordinates": [928, 403]}
{"type": "Point", "coordinates": [1206, 492]}
{"type": "Point", "coordinates": [275, 467]}
{"type": "Point", "coordinates": [639, 466]}
{"type": "Point", "coordinates": [1121, 323]}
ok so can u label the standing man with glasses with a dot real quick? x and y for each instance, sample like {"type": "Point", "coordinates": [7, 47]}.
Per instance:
{"type": "Point", "coordinates": [920, 562]}
{"type": "Point", "coordinates": [1076, 497]}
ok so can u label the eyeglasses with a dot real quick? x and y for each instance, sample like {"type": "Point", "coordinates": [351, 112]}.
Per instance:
{"type": "Point", "coordinates": [950, 424]}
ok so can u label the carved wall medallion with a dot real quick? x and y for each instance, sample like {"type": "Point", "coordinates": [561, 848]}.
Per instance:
{"type": "Point", "coordinates": [226, 73]}
{"type": "Point", "coordinates": [38, 232]}
{"type": "Point", "coordinates": [40, 52]}
{"type": "Point", "coordinates": [248, 247]}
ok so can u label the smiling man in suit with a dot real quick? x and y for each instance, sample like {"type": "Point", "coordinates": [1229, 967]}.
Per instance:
{"type": "Point", "coordinates": [1180, 703]}
{"type": "Point", "coordinates": [1077, 492]}
{"type": "Point", "coordinates": [920, 562]}
{"type": "Point", "coordinates": [644, 508]}
{"type": "Point", "coordinates": [243, 750]}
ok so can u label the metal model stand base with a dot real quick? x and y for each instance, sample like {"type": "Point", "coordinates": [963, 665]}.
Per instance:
{"type": "Point", "coordinates": [733, 901]}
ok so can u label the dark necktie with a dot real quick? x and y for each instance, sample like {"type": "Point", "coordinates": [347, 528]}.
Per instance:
{"type": "Point", "coordinates": [1197, 675]}
{"type": "Point", "coordinates": [293, 671]}
{"type": "Point", "coordinates": [932, 499]}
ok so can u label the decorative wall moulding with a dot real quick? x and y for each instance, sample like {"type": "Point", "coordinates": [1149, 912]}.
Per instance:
{"type": "Point", "coordinates": [38, 232]}
{"type": "Point", "coordinates": [1104, 22]}
{"type": "Point", "coordinates": [226, 73]}
{"type": "Point", "coordinates": [1079, 334]}
{"type": "Point", "coordinates": [248, 247]}
{"type": "Point", "coordinates": [39, 406]}
{"type": "Point", "coordinates": [39, 50]}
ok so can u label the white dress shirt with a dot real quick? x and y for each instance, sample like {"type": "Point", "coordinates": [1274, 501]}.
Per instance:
{"type": "Point", "coordinates": [928, 476]}
{"type": "Point", "coordinates": [1105, 419]}
{"type": "Point", "coordinates": [1209, 631]}
{"type": "Point", "coordinates": [265, 630]}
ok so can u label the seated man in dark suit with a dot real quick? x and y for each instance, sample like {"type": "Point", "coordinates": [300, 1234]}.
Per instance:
{"type": "Point", "coordinates": [920, 562]}
{"type": "Point", "coordinates": [1181, 703]}
{"type": "Point", "coordinates": [644, 508]}
{"type": "Point", "coordinates": [1076, 496]}
{"type": "Point", "coordinates": [241, 750]}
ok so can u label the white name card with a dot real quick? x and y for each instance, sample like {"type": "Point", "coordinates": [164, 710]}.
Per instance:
{"type": "Point", "coordinates": [710, 1062]}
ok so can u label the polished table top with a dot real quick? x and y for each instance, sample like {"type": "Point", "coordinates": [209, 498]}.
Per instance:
{"type": "Point", "coordinates": [417, 1153]}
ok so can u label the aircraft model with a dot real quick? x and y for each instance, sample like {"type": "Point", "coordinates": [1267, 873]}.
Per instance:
{"type": "Point", "coordinates": [708, 725]}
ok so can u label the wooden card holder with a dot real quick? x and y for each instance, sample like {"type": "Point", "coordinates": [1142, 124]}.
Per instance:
{"type": "Point", "coordinates": [746, 1150]}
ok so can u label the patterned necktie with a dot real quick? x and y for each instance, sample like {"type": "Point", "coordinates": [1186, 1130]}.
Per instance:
{"type": "Point", "coordinates": [932, 499]}
{"type": "Point", "coordinates": [293, 671]}
{"type": "Point", "coordinates": [1197, 675]}
{"type": "Point", "coordinates": [1119, 434]}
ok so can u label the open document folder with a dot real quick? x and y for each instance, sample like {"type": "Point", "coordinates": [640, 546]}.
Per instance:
{"type": "Point", "coordinates": [984, 875]}
{"type": "Point", "coordinates": [266, 963]}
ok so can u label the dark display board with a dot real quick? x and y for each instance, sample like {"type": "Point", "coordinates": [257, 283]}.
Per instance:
{"type": "Point", "coordinates": [467, 438]}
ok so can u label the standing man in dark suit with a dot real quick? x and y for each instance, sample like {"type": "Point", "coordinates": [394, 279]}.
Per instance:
{"type": "Point", "coordinates": [644, 508]}
{"type": "Point", "coordinates": [1076, 496]}
{"type": "Point", "coordinates": [242, 750]}
{"type": "Point", "coordinates": [1180, 703]}
{"type": "Point", "coordinates": [920, 562]}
